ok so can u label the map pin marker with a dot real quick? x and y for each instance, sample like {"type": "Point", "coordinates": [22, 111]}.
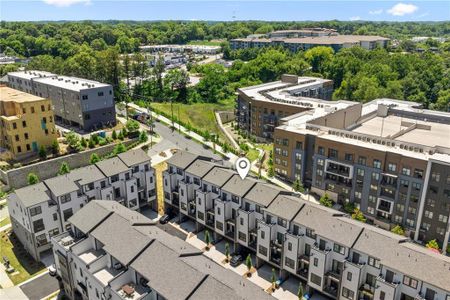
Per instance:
{"type": "Point", "coordinates": [242, 166]}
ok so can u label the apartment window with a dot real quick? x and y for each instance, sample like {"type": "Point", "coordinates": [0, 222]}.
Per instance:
{"type": "Point", "coordinates": [373, 262]}
{"type": "Point", "coordinates": [410, 222]}
{"type": "Point", "coordinates": [321, 150]}
{"type": "Point", "coordinates": [360, 172]}
{"type": "Point", "coordinates": [35, 211]}
{"type": "Point", "coordinates": [298, 145]}
{"type": "Point", "coordinates": [333, 153]}
{"type": "Point", "coordinates": [42, 108]}
{"type": "Point", "coordinates": [24, 110]}
{"type": "Point", "coordinates": [418, 173]}
{"type": "Point", "coordinates": [392, 167]}
{"type": "Point", "coordinates": [200, 215]}
{"type": "Point", "coordinates": [28, 147]}
{"type": "Point", "coordinates": [132, 190]}
{"type": "Point", "coordinates": [284, 153]}
{"type": "Point", "coordinates": [410, 282]}
{"type": "Point", "coordinates": [115, 178]}
{"type": "Point", "coordinates": [339, 249]}
{"type": "Point", "coordinates": [404, 183]}
{"type": "Point", "coordinates": [429, 214]}
{"type": "Point", "coordinates": [55, 216]}
{"type": "Point", "coordinates": [319, 172]}
{"type": "Point", "coordinates": [425, 226]}
{"type": "Point", "coordinates": [41, 240]}
{"type": "Point", "coordinates": [362, 160]}
{"type": "Point", "coordinates": [375, 176]}
{"type": "Point", "coordinates": [377, 164]}
{"type": "Point", "coordinates": [310, 233]}
{"type": "Point", "coordinates": [278, 151]}
{"type": "Point", "coordinates": [65, 198]}
{"type": "Point", "coordinates": [24, 124]}
{"type": "Point", "coordinates": [14, 125]}
{"type": "Point", "coordinates": [282, 222]}
{"type": "Point", "coordinates": [67, 214]}
{"type": "Point", "coordinates": [406, 171]}
{"type": "Point", "coordinates": [400, 207]}
{"type": "Point", "coordinates": [32, 109]}
{"type": "Point", "coordinates": [100, 94]}
{"type": "Point", "coordinates": [102, 184]}
{"type": "Point", "coordinates": [289, 246]}
{"type": "Point", "coordinates": [317, 280]}
{"type": "Point", "coordinates": [440, 230]}
{"type": "Point", "coordinates": [316, 262]}
{"type": "Point", "coordinates": [262, 250]}
{"type": "Point", "coordinates": [242, 236]}
{"type": "Point", "coordinates": [349, 157]}
{"type": "Point", "coordinates": [417, 186]}
{"type": "Point", "coordinates": [84, 97]}
{"type": "Point", "coordinates": [17, 138]}
{"type": "Point", "coordinates": [435, 176]}
{"type": "Point", "coordinates": [348, 294]}
{"type": "Point", "coordinates": [289, 262]}
{"type": "Point", "coordinates": [53, 232]}
{"type": "Point", "coordinates": [398, 219]}
{"type": "Point", "coordinates": [358, 195]}
{"type": "Point", "coordinates": [38, 225]}
{"type": "Point", "coordinates": [320, 162]}
{"type": "Point", "coordinates": [298, 156]}
{"type": "Point", "coordinates": [263, 235]}
{"type": "Point", "coordinates": [443, 218]}
{"type": "Point", "coordinates": [349, 276]}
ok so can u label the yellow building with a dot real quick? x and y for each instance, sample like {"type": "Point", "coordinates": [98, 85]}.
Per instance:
{"type": "Point", "coordinates": [27, 122]}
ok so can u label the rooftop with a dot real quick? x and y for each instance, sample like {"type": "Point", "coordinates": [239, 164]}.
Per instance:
{"type": "Point", "coordinates": [218, 176]}
{"type": "Point", "coordinates": [134, 157]}
{"type": "Point", "coordinates": [285, 206]}
{"type": "Point", "coordinates": [11, 95]}
{"type": "Point", "coordinates": [33, 194]}
{"type": "Point", "coordinates": [319, 40]}
{"type": "Point", "coordinates": [70, 83]}
{"type": "Point", "coordinates": [182, 159]}
{"type": "Point", "coordinates": [200, 168]}
{"type": "Point", "coordinates": [31, 74]}
{"type": "Point", "coordinates": [112, 166]}
{"type": "Point", "coordinates": [238, 186]}
{"type": "Point", "coordinates": [263, 194]}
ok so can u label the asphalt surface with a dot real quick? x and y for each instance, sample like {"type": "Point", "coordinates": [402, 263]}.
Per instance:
{"type": "Point", "coordinates": [40, 287]}
{"type": "Point", "coordinates": [172, 139]}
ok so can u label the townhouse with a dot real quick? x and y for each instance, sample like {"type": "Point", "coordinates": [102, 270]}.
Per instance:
{"type": "Point", "coordinates": [113, 252]}
{"type": "Point", "coordinates": [27, 123]}
{"type": "Point", "coordinates": [334, 254]}
{"type": "Point", "coordinates": [41, 211]}
{"type": "Point", "coordinates": [389, 158]}
{"type": "Point", "coordinates": [78, 102]}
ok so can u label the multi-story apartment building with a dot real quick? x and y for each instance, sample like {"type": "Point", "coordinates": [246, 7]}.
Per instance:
{"type": "Point", "coordinates": [259, 108]}
{"type": "Point", "coordinates": [114, 253]}
{"type": "Point", "coordinates": [77, 102]}
{"type": "Point", "coordinates": [295, 42]}
{"type": "Point", "coordinates": [297, 33]}
{"type": "Point", "coordinates": [334, 254]}
{"type": "Point", "coordinates": [27, 123]}
{"type": "Point", "coordinates": [387, 157]}
{"type": "Point", "coordinates": [41, 211]}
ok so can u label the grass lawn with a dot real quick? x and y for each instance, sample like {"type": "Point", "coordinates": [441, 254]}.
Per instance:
{"type": "Point", "coordinates": [205, 43]}
{"type": "Point", "coordinates": [5, 221]}
{"type": "Point", "coordinates": [199, 115]}
{"type": "Point", "coordinates": [22, 262]}
{"type": "Point", "coordinates": [252, 154]}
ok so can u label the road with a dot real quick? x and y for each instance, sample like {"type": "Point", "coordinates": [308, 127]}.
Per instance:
{"type": "Point", "coordinates": [40, 287]}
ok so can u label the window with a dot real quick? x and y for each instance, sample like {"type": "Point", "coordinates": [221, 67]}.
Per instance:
{"type": "Point", "coordinates": [65, 198]}
{"type": "Point", "coordinates": [84, 97]}
{"type": "Point", "coordinates": [410, 282]}
{"type": "Point", "coordinates": [17, 138]}
{"type": "Point", "coordinates": [404, 183]}
{"type": "Point", "coordinates": [362, 160]}
{"type": "Point", "coordinates": [242, 236]}
{"type": "Point", "coordinates": [42, 108]}
{"type": "Point", "coordinates": [443, 218]}
{"type": "Point", "coordinates": [375, 176]}
{"type": "Point", "coordinates": [53, 232]}
{"type": "Point", "coordinates": [67, 214]}
{"type": "Point", "coordinates": [115, 178]}
{"type": "Point", "coordinates": [417, 186]}
{"type": "Point", "coordinates": [32, 109]}
{"type": "Point", "coordinates": [38, 225]}
{"type": "Point", "coordinates": [55, 216]}
{"type": "Point", "coordinates": [35, 211]}
{"type": "Point", "coordinates": [358, 195]}
{"type": "Point", "coordinates": [429, 214]}
{"type": "Point", "coordinates": [349, 276]}
{"type": "Point", "coordinates": [262, 250]}
{"type": "Point", "coordinates": [289, 246]}
{"type": "Point", "coordinates": [346, 293]}
{"type": "Point", "coordinates": [282, 222]}
{"type": "Point", "coordinates": [348, 157]}
{"type": "Point", "coordinates": [316, 261]}
{"type": "Point", "coordinates": [360, 172]}
{"type": "Point", "coordinates": [373, 262]}
{"type": "Point", "coordinates": [263, 235]}
{"type": "Point", "coordinates": [339, 249]}
{"type": "Point", "coordinates": [317, 280]}
{"type": "Point", "coordinates": [320, 162]}
{"type": "Point", "coordinates": [321, 150]}
{"type": "Point", "coordinates": [333, 153]}
{"type": "Point", "coordinates": [376, 164]}
{"type": "Point", "coordinates": [392, 167]}
{"type": "Point", "coordinates": [289, 262]}
{"type": "Point", "coordinates": [219, 225]}
{"type": "Point", "coordinates": [24, 124]}
{"type": "Point", "coordinates": [418, 173]}
{"type": "Point", "coordinates": [298, 145]}
{"type": "Point", "coordinates": [41, 240]}
{"type": "Point", "coordinates": [14, 125]}
{"type": "Point", "coordinates": [100, 94]}
{"type": "Point", "coordinates": [435, 176]}
{"type": "Point", "coordinates": [406, 171]}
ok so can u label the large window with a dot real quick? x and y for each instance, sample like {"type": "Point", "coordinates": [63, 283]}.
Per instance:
{"type": "Point", "coordinates": [65, 198]}
{"type": "Point", "coordinates": [317, 280]}
{"type": "Point", "coordinates": [67, 214]}
{"type": "Point", "coordinates": [35, 210]}
{"type": "Point", "coordinates": [348, 294]}
{"type": "Point", "coordinates": [262, 250]}
{"type": "Point", "coordinates": [38, 225]}
{"type": "Point", "coordinates": [373, 262]}
{"type": "Point", "coordinates": [339, 249]}
{"type": "Point", "coordinates": [410, 282]}
{"type": "Point", "coordinates": [289, 262]}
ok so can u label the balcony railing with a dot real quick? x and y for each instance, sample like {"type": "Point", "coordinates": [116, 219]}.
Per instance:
{"type": "Point", "coordinates": [303, 272]}
{"type": "Point", "coordinates": [330, 290]}
{"type": "Point", "coordinates": [334, 275]}
{"type": "Point", "coordinates": [367, 289]}
{"type": "Point", "coordinates": [393, 284]}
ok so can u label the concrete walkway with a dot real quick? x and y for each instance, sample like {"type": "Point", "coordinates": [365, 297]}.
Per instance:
{"type": "Point", "coordinates": [5, 282]}
{"type": "Point", "coordinates": [229, 136]}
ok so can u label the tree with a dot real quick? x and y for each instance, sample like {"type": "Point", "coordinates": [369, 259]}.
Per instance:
{"type": "Point", "coordinates": [42, 152]}
{"type": "Point", "coordinates": [119, 148]}
{"type": "Point", "coordinates": [94, 158]}
{"type": "Point", "coordinates": [91, 143]}
{"type": "Point", "coordinates": [32, 178]}
{"type": "Point", "coordinates": [432, 244]}
{"type": "Point", "coordinates": [132, 126]}
{"type": "Point", "coordinates": [55, 147]}
{"type": "Point", "coordinates": [83, 142]}
{"type": "Point", "coordinates": [300, 291]}
{"type": "Point", "coordinates": [114, 135]}
{"type": "Point", "coordinates": [72, 139]}
{"type": "Point", "coordinates": [158, 71]}
{"type": "Point", "coordinates": [273, 278]}
{"type": "Point", "coordinates": [397, 229]}
{"type": "Point", "coordinates": [227, 251]}
{"type": "Point", "coordinates": [318, 57]}
{"type": "Point", "coordinates": [207, 240]}
{"type": "Point", "coordinates": [358, 215]}
{"type": "Point", "coordinates": [120, 136]}
{"type": "Point", "coordinates": [143, 137]}
{"type": "Point", "coordinates": [64, 169]}
{"type": "Point", "coordinates": [298, 186]}
{"type": "Point", "coordinates": [325, 200]}
{"type": "Point", "coordinates": [249, 263]}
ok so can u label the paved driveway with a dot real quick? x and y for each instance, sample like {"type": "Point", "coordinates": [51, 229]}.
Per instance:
{"type": "Point", "coordinates": [40, 287]}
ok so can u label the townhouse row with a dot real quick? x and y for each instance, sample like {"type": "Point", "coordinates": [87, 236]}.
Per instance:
{"type": "Point", "coordinates": [333, 254]}
{"type": "Point", "coordinates": [41, 211]}
{"type": "Point", "coordinates": [113, 252]}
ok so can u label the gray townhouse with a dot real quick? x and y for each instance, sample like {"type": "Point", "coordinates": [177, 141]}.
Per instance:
{"type": "Point", "coordinates": [78, 102]}
{"type": "Point", "coordinates": [41, 211]}
{"type": "Point", "coordinates": [331, 253]}
{"type": "Point", "coordinates": [113, 252]}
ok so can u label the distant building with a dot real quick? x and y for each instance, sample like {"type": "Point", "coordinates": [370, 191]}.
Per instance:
{"type": "Point", "coordinates": [196, 49]}
{"type": "Point", "coordinates": [27, 122]}
{"type": "Point", "coordinates": [82, 103]}
{"type": "Point", "coordinates": [260, 108]}
{"type": "Point", "coordinates": [297, 40]}
{"type": "Point", "coordinates": [41, 211]}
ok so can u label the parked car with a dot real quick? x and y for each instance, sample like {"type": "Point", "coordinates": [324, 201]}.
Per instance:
{"type": "Point", "coordinates": [236, 260]}
{"type": "Point", "coordinates": [164, 219]}
{"type": "Point", "coordinates": [52, 270]}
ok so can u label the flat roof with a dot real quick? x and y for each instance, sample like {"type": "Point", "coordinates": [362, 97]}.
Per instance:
{"type": "Point", "coordinates": [320, 40]}
{"type": "Point", "coordinates": [70, 83]}
{"type": "Point", "coordinates": [8, 94]}
{"type": "Point", "coordinates": [31, 74]}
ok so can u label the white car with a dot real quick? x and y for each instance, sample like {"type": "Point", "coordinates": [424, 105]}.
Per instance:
{"type": "Point", "coordinates": [52, 270]}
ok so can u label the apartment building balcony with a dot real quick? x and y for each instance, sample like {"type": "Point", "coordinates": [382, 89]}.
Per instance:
{"type": "Point", "coordinates": [366, 291]}
{"type": "Point", "coordinates": [331, 289]}
{"type": "Point", "coordinates": [132, 291]}
{"type": "Point", "coordinates": [210, 217]}
{"type": "Point", "coordinates": [334, 275]}
{"type": "Point", "coordinates": [276, 247]}
{"type": "Point", "coordinates": [337, 180]}
{"type": "Point", "coordinates": [419, 297]}
{"type": "Point", "coordinates": [106, 274]}
{"type": "Point", "coordinates": [390, 284]}
{"type": "Point", "coordinates": [303, 271]}
{"type": "Point", "coordinates": [338, 168]}
{"type": "Point", "coordinates": [230, 225]}
{"type": "Point", "coordinates": [175, 198]}
{"type": "Point", "coordinates": [389, 180]}
{"type": "Point", "coordinates": [192, 208]}
{"type": "Point", "coordinates": [253, 239]}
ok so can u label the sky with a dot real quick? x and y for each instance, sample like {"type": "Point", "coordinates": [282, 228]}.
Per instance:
{"type": "Point", "coordinates": [294, 10]}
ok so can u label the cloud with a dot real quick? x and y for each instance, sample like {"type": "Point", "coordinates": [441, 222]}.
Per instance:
{"type": "Point", "coordinates": [376, 12]}
{"type": "Point", "coordinates": [66, 3]}
{"type": "Point", "coordinates": [355, 18]}
{"type": "Point", "coordinates": [401, 9]}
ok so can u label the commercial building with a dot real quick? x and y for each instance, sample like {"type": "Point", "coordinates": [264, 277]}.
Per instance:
{"type": "Point", "coordinates": [389, 158]}
{"type": "Point", "coordinates": [27, 123]}
{"type": "Point", "coordinates": [305, 32]}
{"type": "Point", "coordinates": [259, 108]}
{"type": "Point", "coordinates": [334, 254]}
{"type": "Point", "coordinates": [112, 252]}
{"type": "Point", "coordinates": [296, 41]}
{"type": "Point", "coordinates": [196, 49]}
{"type": "Point", "coordinates": [41, 211]}
{"type": "Point", "coordinates": [81, 103]}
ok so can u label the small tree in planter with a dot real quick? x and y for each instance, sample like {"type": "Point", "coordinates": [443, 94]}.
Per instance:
{"type": "Point", "coordinates": [249, 264]}
{"type": "Point", "coordinates": [207, 240]}
{"type": "Point", "coordinates": [114, 135]}
{"type": "Point", "coordinates": [273, 279]}
{"type": "Point", "coordinates": [298, 186]}
{"type": "Point", "coordinates": [300, 291]}
{"type": "Point", "coordinates": [64, 169]}
{"type": "Point", "coordinates": [227, 252]}
{"type": "Point", "coordinates": [432, 244]}
{"type": "Point", "coordinates": [94, 158]}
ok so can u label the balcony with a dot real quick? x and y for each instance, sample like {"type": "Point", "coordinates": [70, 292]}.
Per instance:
{"type": "Point", "coordinates": [192, 208]}
{"type": "Point", "coordinates": [331, 290]}
{"type": "Point", "coordinates": [105, 275]}
{"type": "Point", "coordinates": [419, 297]}
{"type": "Point", "coordinates": [131, 291]}
{"type": "Point", "coordinates": [334, 275]}
{"type": "Point", "coordinates": [339, 169]}
{"type": "Point", "coordinates": [392, 284]}
{"type": "Point", "coordinates": [303, 272]}
{"type": "Point", "coordinates": [366, 291]}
